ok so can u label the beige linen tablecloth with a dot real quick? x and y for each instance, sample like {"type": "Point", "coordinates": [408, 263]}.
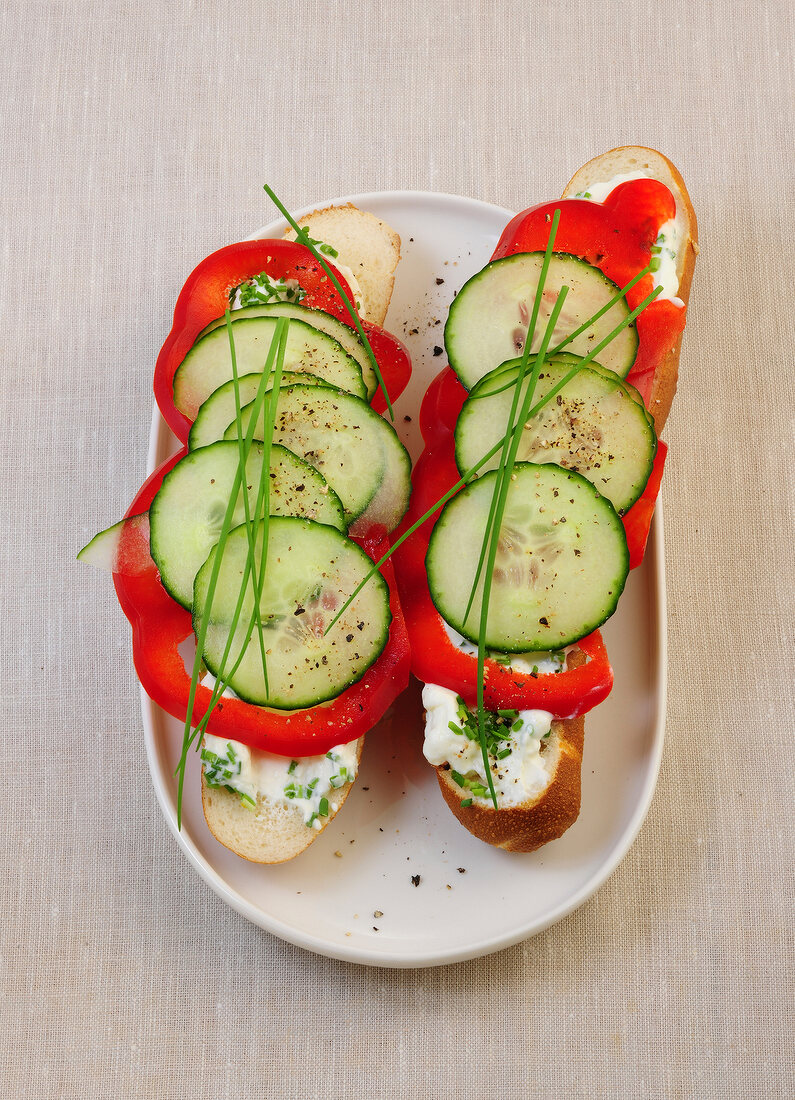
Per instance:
{"type": "Point", "coordinates": [135, 139]}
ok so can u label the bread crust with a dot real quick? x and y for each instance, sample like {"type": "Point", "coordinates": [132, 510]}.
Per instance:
{"type": "Point", "coordinates": [629, 158]}
{"type": "Point", "coordinates": [366, 244]}
{"type": "Point", "coordinates": [546, 817]}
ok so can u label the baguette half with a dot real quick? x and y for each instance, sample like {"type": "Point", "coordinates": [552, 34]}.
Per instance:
{"type": "Point", "coordinates": [366, 246]}
{"type": "Point", "coordinates": [538, 820]}
{"type": "Point", "coordinates": [272, 833]}
{"type": "Point", "coordinates": [549, 814]}
{"type": "Point", "coordinates": [275, 831]}
{"type": "Point", "coordinates": [624, 160]}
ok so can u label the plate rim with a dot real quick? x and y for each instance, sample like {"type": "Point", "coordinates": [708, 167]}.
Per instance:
{"type": "Point", "coordinates": [159, 433]}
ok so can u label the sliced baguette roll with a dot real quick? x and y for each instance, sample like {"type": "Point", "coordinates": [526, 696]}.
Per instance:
{"type": "Point", "coordinates": [546, 816]}
{"type": "Point", "coordinates": [635, 158]}
{"type": "Point", "coordinates": [274, 832]}
{"type": "Point", "coordinates": [368, 247]}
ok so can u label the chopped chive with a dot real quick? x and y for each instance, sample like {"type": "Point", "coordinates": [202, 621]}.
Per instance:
{"type": "Point", "coordinates": [323, 807]}
{"type": "Point", "coordinates": [466, 801]}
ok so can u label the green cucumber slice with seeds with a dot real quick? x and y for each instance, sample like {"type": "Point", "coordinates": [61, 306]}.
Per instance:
{"type": "Point", "coordinates": [311, 571]}
{"type": "Point", "coordinates": [354, 448]}
{"type": "Point", "coordinates": [348, 337]}
{"type": "Point", "coordinates": [594, 427]}
{"type": "Point", "coordinates": [489, 317]}
{"type": "Point", "coordinates": [208, 364]}
{"type": "Point", "coordinates": [561, 564]}
{"type": "Point", "coordinates": [186, 513]}
{"type": "Point", "coordinates": [215, 415]}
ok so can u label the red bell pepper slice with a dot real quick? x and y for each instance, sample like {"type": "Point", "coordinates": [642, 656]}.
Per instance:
{"type": "Point", "coordinates": [637, 521]}
{"type": "Point", "coordinates": [616, 236]}
{"type": "Point", "coordinates": [434, 658]}
{"type": "Point", "coordinates": [160, 625]}
{"type": "Point", "coordinates": [205, 296]}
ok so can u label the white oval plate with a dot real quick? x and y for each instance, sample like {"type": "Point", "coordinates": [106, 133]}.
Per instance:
{"type": "Point", "coordinates": [394, 880]}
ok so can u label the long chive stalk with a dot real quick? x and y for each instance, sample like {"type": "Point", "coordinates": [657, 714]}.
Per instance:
{"type": "Point", "coordinates": [243, 459]}
{"type": "Point", "coordinates": [531, 331]}
{"type": "Point", "coordinates": [189, 735]}
{"type": "Point", "coordinates": [304, 239]}
{"type": "Point", "coordinates": [502, 485]}
{"type": "Point", "coordinates": [262, 507]}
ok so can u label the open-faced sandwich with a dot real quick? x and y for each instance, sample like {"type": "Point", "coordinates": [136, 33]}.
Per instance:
{"type": "Point", "coordinates": [245, 545]}
{"type": "Point", "coordinates": [541, 439]}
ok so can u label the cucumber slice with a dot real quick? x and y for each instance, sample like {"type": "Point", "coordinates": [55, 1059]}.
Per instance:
{"type": "Point", "coordinates": [208, 364]}
{"type": "Point", "coordinates": [593, 427]}
{"type": "Point", "coordinates": [122, 548]}
{"type": "Point", "coordinates": [561, 565]}
{"type": "Point", "coordinates": [215, 415]}
{"type": "Point", "coordinates": [344, 334]}
{"type": "Point", "coordinates": [186, 513]}
{"type": "Point", "coordinates": [311, 571]}
{"type": "Point", "coordinates": [488, 319]}
{"type": "Point", "coordinates": [354, 448]}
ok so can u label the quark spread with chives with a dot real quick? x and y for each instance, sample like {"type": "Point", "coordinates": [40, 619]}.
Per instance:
{"type": "Point", "coordinates": [522, 757]}
{"type": "Point", "coordinates": [531, 664]}
{"type": "Point", "coordinates": [309, 783]}
{"type": "Point", "coordinates": [664, 250]}
{"type": "Point", "coordinates": [263, 290]}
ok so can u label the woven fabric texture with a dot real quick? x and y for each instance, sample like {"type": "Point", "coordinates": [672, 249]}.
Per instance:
{"type": "Point", "coordinates": [136, 138]}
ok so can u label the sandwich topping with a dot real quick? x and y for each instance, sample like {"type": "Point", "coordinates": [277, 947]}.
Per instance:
{"type": "Point", "coordinates": [308, 783]}
{"type": "Point", "coordinates": [522, 757]}
{"type": "Point", "coordinates": [533, 664]}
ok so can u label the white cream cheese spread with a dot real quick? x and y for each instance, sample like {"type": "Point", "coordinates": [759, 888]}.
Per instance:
{"type": "Point", "coordinates": [531, 664]}
{"type": "Point", "coordinates": [522, 767]}
{"type": "Point", "coordinates": [664, 249]}
{"type": "Point", "coordinates": [309, 784]}
{"type": "Point", "coordinates": [262, 290]}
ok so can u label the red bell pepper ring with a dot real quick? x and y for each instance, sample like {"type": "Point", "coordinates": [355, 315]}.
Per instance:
{"type": "Point", "coordinates": [160, 625]}
{"type": "Point", "coordinates": [637, 521]}
{"type": "Point", "coordinates": [205, 296]}
{"type": "Point", "coordinates": [616, 236]}
{"type": "Point", "coordinates": [434, 657]}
